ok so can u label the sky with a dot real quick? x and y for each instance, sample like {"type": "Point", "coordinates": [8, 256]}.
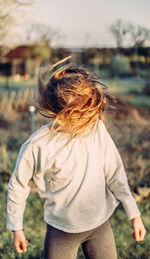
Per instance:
{"type": "Point", "coordinates": [86, 22]}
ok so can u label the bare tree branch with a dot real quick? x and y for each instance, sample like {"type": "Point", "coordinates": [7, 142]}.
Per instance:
{"type": "Point", "coordinates": [118, 31]}
{"type": "Point", "coordinates": [43, 34]}
{"type": "Point", "coordinates": [138, 34]}
{"type": "Point", "coordinates": [8, 10]}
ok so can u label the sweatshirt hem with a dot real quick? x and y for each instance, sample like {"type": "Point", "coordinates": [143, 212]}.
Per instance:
{"type": "Point", "coordinates": [74, 229]}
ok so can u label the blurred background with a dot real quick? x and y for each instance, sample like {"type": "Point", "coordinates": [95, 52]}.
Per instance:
{"type": "Point", "coordinates": [112, 40]}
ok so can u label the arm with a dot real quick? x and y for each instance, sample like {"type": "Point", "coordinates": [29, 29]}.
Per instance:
{"type": "Point", "coordinates": [116, 178]}
{"type": "Point", "coordinates": [117, 182]}
{"type": "Point", "coordinates": [18, 191]}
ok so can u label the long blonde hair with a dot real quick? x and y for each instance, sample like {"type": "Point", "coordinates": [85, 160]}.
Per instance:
{"type": "Point", "coordinates": [72, 96]}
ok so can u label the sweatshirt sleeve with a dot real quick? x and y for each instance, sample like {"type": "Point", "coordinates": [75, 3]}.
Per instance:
{"type": "Point", "coordinates": [116, 178]}
{"type": "Point", "coordinates": [18, 189]}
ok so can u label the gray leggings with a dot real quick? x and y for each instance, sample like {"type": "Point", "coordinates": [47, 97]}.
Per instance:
{"type": "Point", "coordinates": [98, 243]}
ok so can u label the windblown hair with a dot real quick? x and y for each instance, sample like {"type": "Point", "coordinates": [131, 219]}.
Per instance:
{"type": "Point", "coordinates": [73, 97]}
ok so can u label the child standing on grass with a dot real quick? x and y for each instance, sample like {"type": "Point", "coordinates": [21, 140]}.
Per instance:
{"type": "Point", "coordinates": [76, 167]}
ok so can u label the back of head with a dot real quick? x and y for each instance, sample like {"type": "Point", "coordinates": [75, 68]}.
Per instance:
{"type": "Point", "coordinates": [72, 96]}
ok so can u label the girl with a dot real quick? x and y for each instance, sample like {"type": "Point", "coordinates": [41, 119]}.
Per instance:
{"type": "Point", "coordinates": [76, 167]}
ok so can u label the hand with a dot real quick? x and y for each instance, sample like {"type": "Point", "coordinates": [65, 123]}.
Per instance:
{"type": "Point", "coordinates": [19, 241]}
{"type": "Point", "coordinates": [139, 229]}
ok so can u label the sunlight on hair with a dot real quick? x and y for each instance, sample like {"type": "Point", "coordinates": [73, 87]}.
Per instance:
{"type": "Point", "coordinates": [73, 97]}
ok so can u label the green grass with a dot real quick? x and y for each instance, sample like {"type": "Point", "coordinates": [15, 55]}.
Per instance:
{"type": "Point", "coordinates": [140, 101]}
{"type": "Point", "coordinates": [116, 86]}
{"type": "Point", "coordinates": [34, 224]}
{"type": "Point", "coordinates": [124, 87]}
{"type": "Point", "coordinates": [17, 84]}
{"type": "Point", "coordinates": [35, 227]}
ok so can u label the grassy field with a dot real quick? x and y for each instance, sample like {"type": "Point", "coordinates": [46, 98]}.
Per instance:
{"type": "Point", "coordinates": [131, 88]}
{"type": "Point", "coordinates": [16, 82]}
{"type": "Point", "coordinates": [125, 86]}
{"type": "Point", "coordinates": [35, 228]}
{"type": "Point", "coordinates": [130, 130]}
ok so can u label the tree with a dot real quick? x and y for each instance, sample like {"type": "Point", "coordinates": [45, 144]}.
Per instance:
{"type": "Point", "coordinates": [119, 30]}
{"type": "Point", "coordinates": [40, 37]}
{"type": "Point", "coordinates": [8, 12]}
{"type": "Point", "coordinates": [40, 33]}
{"type": "Point", "coordinates": [138, 34]}
{"type": "Point", "coordinates": [43, 34]}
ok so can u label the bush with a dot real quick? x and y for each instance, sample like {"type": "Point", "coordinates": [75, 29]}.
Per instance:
{"type": "Point", "coordinates": [119, 64]}
{"type": "Point", "coordinates": [14, 143]}
{"type": "Point", "coordinates": [146, 89]}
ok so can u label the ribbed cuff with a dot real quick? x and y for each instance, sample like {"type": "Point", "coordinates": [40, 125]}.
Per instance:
{"type": "Point", "coordinates": [14, 227]}
{"type": "Point", "coordinates": [17, 230]}
{"type": "Point", "coordinates": [132, 210]}
{"type": "Point", "coordinates": [134, 216]}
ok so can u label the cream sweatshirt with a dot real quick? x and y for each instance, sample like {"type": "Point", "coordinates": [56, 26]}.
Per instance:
{"type": "Point", "coordinates": [82, 182]}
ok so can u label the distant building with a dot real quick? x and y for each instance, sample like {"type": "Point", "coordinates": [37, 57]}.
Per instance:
{"type": "Point", "coordinates": [26, 60]}
{"type": "Point", "coordinates": [20, 60]}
